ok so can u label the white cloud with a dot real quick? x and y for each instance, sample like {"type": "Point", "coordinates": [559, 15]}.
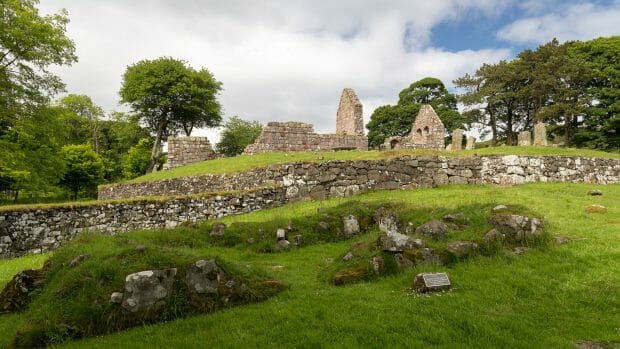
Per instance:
{"type": "Point", "coordinates": [278, 60]}
{"type": "Point", "coordinates": [581, 21]}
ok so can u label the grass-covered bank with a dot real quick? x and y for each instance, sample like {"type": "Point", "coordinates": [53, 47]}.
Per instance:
{"type": "Point", "coordinates": [545, 298]}
{"type": "Point", "coordinates": [243, 163]}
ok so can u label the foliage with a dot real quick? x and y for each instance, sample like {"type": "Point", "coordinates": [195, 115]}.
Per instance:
{"type": "Point", "coordinates": [571, 86]}
{"type": "Point", "coordinates": [137, 160]}
{"type": "Point", "coordinates": [601, 125]}
{"type": "Point", "coordinates": [29, 43]}
{"type": "Point", "coordinates": [387, 121]}
{"type": "Point", "coordinates": [236, 135]}
{"type": "Point", "coordinates": [169, 96]}
{"type": "Point", "coordinates": [83, 107]}
{"type": "Point", "coordinates": [84, 169]}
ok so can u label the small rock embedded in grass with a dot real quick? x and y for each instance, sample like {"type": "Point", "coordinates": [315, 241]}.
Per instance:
{"type": "Point", "coordinates": [499, 208]}
{"type": "Point", "coordinates": [454, 217]}
{"type": "Point", "coordinates": [141, 248]}
{"type": "Point", "coordinates": [283, 245]}
{"type": "Point", "coordinates": [595, 192]}
{"type": "Point", "coordinates": [434, 229]}
{"type": "Point", "coordinates": [78, 260]}
{"type": "Point", "coordinates": [281, 234]}
{"type": "Point", "coordinates": [561, 240]}
{"type": "Point", "coordinates": [590, 345]}
{"type": "Point", "coordinates": [519, 250]}
{"type": "Point", "coordinates": [461, 249]}
{"type": "Point", "coordinates": [493, 235]}
{"type": "Point", "coordinates": [594, 208]}
{"type": "Point", "coordinates": [218, 229]}
{"type": "Point", "coordinates": [347, 257]}
{"type": "Point", "coordinates": [116, 297]}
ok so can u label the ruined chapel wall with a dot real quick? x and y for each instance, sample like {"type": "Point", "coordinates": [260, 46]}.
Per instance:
{"type": "Point", "coordinates": [349, 117]}
{"type": "Point", "coordinates": [186, 150]}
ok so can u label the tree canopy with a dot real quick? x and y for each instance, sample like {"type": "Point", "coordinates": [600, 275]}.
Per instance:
{"type": "Point", "coordinates": [29, 44]}
{"type": "Point", "coordinates": [238, 134]}
{"type": "Point", "coordinates": [573, 87]}
{"type": "Point", "coordinates": [169, 96]}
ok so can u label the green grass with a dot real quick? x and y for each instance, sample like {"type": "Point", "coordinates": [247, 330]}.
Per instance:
{"type": "Point", "coordinates": [546, 298]}
{"type": "Point", "coordinates": [247, 162]}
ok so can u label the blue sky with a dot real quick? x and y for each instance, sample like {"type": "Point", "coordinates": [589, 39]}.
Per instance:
{"type": "Point", "coordinates": [288, 60]}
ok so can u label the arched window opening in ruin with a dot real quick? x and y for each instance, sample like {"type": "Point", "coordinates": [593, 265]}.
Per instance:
{"type": "Point", "coordinates": [426, 131]}
{"type": "Point", "coordinates": [419, 132]}
{"type": "Point", "coordinates": [393, 143]}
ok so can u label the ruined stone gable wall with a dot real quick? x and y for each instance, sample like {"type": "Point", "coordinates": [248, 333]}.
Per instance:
{"type": "Point", "coordinates": [35, 230]}
{"type": "Point", "coordinates": [349, 119]}
{"type": "Point", "coordinates": [427, 129]}
{"type": "Point", "coordinates": [186, 150]}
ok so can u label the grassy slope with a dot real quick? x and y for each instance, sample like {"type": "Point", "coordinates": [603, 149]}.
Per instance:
{"type": "Point", "coordinates": [541, 299]}
{"type": "Point", "coordinates": [246, 162]}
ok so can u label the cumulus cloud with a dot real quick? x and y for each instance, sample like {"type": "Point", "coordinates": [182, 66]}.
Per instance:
{"type": "Point", "coordinates": [278, 60]}
{"type": "Point", "coordinates": [580, 21]}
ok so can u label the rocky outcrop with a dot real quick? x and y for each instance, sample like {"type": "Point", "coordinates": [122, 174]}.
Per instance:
{"type": "Point", "coordinates": [147, 291]}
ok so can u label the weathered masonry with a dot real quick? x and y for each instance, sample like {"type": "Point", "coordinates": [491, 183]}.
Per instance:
{"type": "Point", "coordinates": [427, 132]}
{"type": "Point", "coordinates": [185, 150]}
{"type": "Point", "coordinates": [300, 136]}
{"type": "Point", "coordinates": [35, 230]}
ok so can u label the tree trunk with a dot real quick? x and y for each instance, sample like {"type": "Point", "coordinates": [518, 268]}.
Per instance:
{"type": "Point", "coordinates": [156, 151]}
{"type": "Point", "coordinates": [509, 133]}
{"type": "Point", "coordinates": [493, 122]}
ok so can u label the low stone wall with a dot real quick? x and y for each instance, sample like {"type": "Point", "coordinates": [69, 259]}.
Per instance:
{"type": "Point", "coordinates": [35, 230]}
{"type": "Point", "coordinates": [43, 229]}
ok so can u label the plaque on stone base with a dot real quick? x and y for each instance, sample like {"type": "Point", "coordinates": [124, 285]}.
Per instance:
{"type": "Point", "coordinates": [431, 282]}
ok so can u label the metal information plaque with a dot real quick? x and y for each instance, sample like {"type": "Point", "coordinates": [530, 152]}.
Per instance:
{"type": "Point", "coordinates": [436, 280]}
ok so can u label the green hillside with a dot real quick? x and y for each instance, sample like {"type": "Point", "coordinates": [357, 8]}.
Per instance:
{"type": "Point", "coordinates": [551, 296]}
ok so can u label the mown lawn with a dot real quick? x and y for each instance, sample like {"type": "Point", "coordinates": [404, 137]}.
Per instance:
{"type": "Point", "coordinates": [247, 162]}
{"type": "Point", "coordinates": [546, 298]}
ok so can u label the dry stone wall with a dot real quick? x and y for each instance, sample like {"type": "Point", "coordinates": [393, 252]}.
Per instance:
{"type": "Point", "coordinates": [402, 172]}
{"type": "Point", "coordinates": [39, 230]}
{"type": "Point", "coordinates": [35, 230]}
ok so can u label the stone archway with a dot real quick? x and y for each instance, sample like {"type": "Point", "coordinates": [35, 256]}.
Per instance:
{"type": "Point", "coordinates": [394, 143]}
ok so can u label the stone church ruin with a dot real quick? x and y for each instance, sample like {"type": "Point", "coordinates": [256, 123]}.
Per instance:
{"type": "Point", "coordinates": [300, 136]}
{"type": "Point", "coordinates": [427, 132]}
{"type": "Point", "coordinates": [186, 150]}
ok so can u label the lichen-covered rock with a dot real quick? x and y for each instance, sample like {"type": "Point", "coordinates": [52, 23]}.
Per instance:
{"type": "Point", "coordinates": [595, 192]}
{"type": "Point", "coordinates": [517, 227]}
{"type": "Point", "coordinates": [116, 297]}
{"type": "Point", "coordinates": [387, 221]}
{"type": "Point", "coordinates": [493, 235]}
{"type": "Point", "coordinates": [378, 264]}
{"type": "Point", "coordinates": [397, 242]}
{"type": "Point", "coordinates": [17, 294]}
{"type": "Point", "coordinates": [434, 229]}
{"type": "Point", "coordinates": [461, 249]}
{"type": "Point", "coordinates": [351, 225]}
{"type": "Point", "coordinates": [204, 276]}
{"type": "Point", "coordinates": [283, 245]}
{"type": "Point", "coordinates": [403, 262]}
{"type": "Point", "coordinates": [595, 208]}
{"type": "Point", "coordinates": [147, 291]}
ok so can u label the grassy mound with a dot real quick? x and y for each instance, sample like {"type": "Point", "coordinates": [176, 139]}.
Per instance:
{"type": "Point", "coordinates": [74, 301]}
{"type": "Point", "coordinates": [471, 222]}
{"type": "Point", "coordinates": [243, 163]}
